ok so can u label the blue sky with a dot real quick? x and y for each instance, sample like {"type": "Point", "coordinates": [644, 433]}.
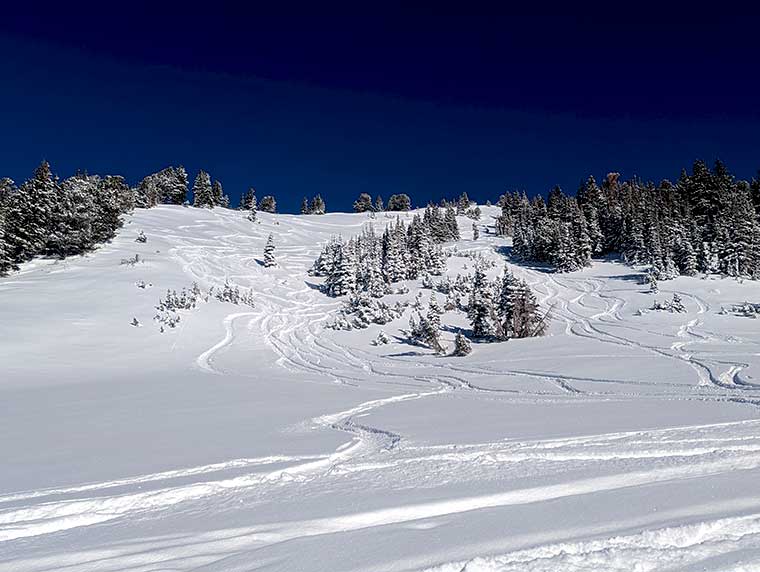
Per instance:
{"type": "Point", "coordinates": [338, 104]}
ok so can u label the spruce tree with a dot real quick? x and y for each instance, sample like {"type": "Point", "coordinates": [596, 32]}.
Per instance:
{"type": "Point", "coordinates": [400, 202]}
{"type": "Point", "coordinates": [305, 206]}
{"type": "Point", "coordinates": [479, 305]}
{"type": "Point", "coordinates": [379, 207]}
{"type": "Point", "coordinates": [475, 231]}
{"type": "Point", "coordinates": [363, 203]}
{"type": "Point", "coordinates": [269, 259]}
{"type": "Point", "coordinates": [317, 206]}
{"type": "Point", "coordinates": [462, 346]}
{"type": "Point", "coordinates": [246, 198]}
{"type": "Point", "coordinates": [203, 195]}
{"type": "Point", "coordinates": [6, 259]}
{"type": "Point", "coordinates": [252, 207]}
{"type": "Point", "coordinates": [268, 204]}
{"type": "Point", "coordinates": [29, 213]}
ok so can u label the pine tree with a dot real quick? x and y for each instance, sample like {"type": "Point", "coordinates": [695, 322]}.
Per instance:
{"type": "Point", "coordinates": [219, 198]}
{"type": "Point", "coordinates": [268, 204]}
{"type": "Point", "coordinates": [463, 203]}
{"type": "Point", "coordinates": [252, 207]}
{"type": "Point", "coordinates": [342, 278]}
{"type": "Point", "coordinates": [462, 346]}
{"type": "Point", "coordinates": [305, 206]}
{"type": "Point", "coordinates": [475, 232]}
{"type": "Point", "coordinates": [203, 195]}
{"type": "Point", "coordinates": [399, 202]}
{"type": "Point", "coordinates": [29, 214]}
{"type": "Point", "coordinates": [450, 219]}
{"type": "Point", "coordinates": [434, 312]}
{"type": "Point", "coordinates": [6, 260]}
{"type": "Point", "coordinates": [269, 259]}
{"type": "Point", "coordinates": [526, 319]}
{"type": "Point", "coordinates": [479, 305]}
{"type": "Point", "coordinates": [505, 305]}
{"type": "Point", "coordinates": [363, 203]}
{"type": "Point", "coordinates": [317, 206]}
{"type": "Point", "coordinates": [246, 198]}
{"type": "Point", "coordinates": [71, 229]}
{"type": "Point", "coordinates": [379, 207]}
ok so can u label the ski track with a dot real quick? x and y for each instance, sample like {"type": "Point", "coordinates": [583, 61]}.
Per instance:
{"type": "Point", "coordinates": [289, 318]}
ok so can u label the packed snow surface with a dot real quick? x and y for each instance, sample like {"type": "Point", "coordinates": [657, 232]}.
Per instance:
{"type": "Point", "coordinates": [254, 438]}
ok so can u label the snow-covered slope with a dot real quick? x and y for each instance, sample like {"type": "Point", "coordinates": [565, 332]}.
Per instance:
{"type": "Point", "coordinates": [252, 438]}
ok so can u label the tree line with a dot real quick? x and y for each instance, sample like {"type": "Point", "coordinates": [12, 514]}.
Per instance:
{"type": "Point", "coordinates": [705, 222]}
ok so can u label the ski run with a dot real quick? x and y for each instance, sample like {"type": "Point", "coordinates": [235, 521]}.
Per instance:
{"type": "Point", "coordinates": [246, 420]}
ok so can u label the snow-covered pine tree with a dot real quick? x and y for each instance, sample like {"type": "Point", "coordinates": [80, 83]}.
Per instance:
{"type": "Point", "coordinates": [317, 206]}
{"type": "Point", "coordinates": [475, 231]}
{"type": "Point", "coordinates": [29, 213]}
{"type": "Point", "coordinates": [400, 202]}
{"type": "Point", "coordinates": [246, 198]}
{"type": "Point", "coordinates": [305, 206]}
{"type": "Point", "coordinates": [203, 196]}
{"type": "Point", "coordinates": [379, 207]}
{"type": "Point", "coordinates": [527, 320]}
{"type": "Point", "coordinates": [363, 203]}
{"type": "Point", "coordinates": [6, 259]}
{"type": "Point", "coordinates": [268, 204]}
{"type": "Point", "coordinates": [463, 203]}
{"type": "Point", "coordinates": [269, 259]}
{"type": "Point", "coordinates": [450, 220]}
{"type": "Point", "coordinates": [505, 305]}
{"type": "Point", "coordinates": [462, 346]}
{"type": "Point", "coordinates": [479, 305]}
{"type": "Point", "coordinates": [219, 198]}
{"type": "Point", "coordinates": [434, 312]}
{"type": "Point", "coordinates": [252, 209]}
{"type": "Point", "coordinates": [107, 207]}
{"type": "Point", "coordinates": [72, 217]}
{"type": "Point", "coordinates": [342, 277]}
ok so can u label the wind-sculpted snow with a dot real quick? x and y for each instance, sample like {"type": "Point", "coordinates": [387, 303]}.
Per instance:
{"type": "Point", "coordinates": [255, 438]}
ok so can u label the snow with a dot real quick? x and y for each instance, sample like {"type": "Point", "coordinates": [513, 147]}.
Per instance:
{"type": "Point", "coordinates": [254, 438]}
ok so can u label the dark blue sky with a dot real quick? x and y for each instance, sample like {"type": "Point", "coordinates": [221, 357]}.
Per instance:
{"type": "Point", "coordinates": [429, 103]}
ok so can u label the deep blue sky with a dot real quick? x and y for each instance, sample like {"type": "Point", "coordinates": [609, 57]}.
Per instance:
{"type": "Point", "coordinates": [300, 102]}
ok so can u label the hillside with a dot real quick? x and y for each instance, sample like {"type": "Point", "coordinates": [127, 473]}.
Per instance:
{"type": "Point", "coordinates": [253, 437]}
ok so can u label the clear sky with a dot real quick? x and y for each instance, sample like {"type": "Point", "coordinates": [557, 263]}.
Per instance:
{"type": "Point", "coordinates": [298, 102]}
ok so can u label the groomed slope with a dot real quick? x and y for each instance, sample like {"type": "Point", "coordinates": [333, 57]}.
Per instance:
{"type": "Point", "coordinates": [252, 437]}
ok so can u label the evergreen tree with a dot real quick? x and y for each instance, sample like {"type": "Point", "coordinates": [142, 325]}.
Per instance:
{"type": "Point", "coordinates": [462, 346]}
{"type": "Point", "coordinates": [505, 305]}
{"type": "Point", "coordinates": [400, 202]}
{"type": "Point", "coordinates": [246, 198]}
{"type": "Point", "coordinates": [342, 278]}
{"type": "Point", "coordinates": [6, 259]}
{"type": "Point", "coordinates": [317, 205]}
{"type": "Point", "coordinates": [219, 198]}
{"type": "Point", "coordinates": [434, 312]}
{"type": "Point", "coordinates": [269, 259]}
{"type": "Point", "coordinates": [479, 305]}
{"type": "Point", "coordinates": [252, 207]}
{"type": "Point", "coordinates": [450, 220]}
{"type": "Point", "coordinates": [363, 203]}
{"type": "Point", "coordinates": [379, 207]}
{"type": "Point", "coordinates": [475, 232]}
{"type": "Point", "coordinates": [268, 204]}
{"type": "Point", "coordinates": [463, 203]}
{"type": "Point", "coordinates": [29, 213]}
{"type": "Point", "coordinates": [203, 195]}
{"type": "Point", "coordinates": [304, 206]}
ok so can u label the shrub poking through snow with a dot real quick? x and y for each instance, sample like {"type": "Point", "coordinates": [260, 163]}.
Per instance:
{"type": "Point", "coordinates": [141, 237]}
{"type": "Point", "coordinates": [381, 339]}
